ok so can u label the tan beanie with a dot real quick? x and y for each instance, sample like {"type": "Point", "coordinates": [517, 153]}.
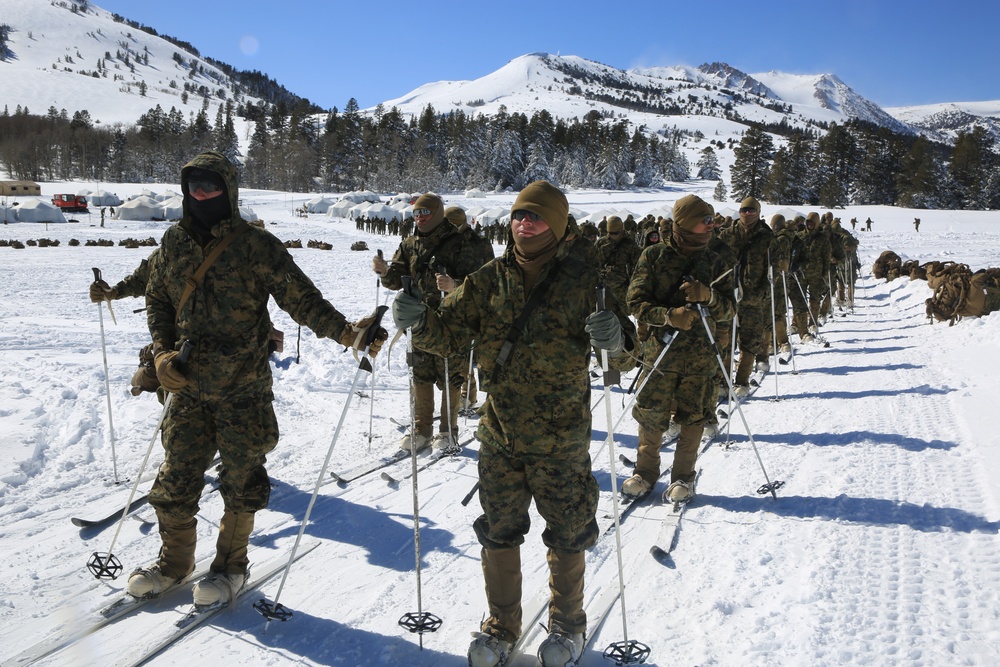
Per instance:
{"type": "Point", "coordinates": [546, 200]}
{"type": "Point", "coordinates": [456, 216]}
{"type": "Point", "coordinates": [615, 224]}
{"type": "Point", "coordinates": [433, 204]}
{"type": "Point", "coordinates": [750, 202]}
{"type": "Point", "coordinates": [777, 222]}
{"type": "Point", "coordinates": [690, 210]}
{"type": "Point", "coordinates": [812, 217]}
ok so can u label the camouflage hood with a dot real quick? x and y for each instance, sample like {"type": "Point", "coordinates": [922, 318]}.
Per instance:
{"type": "Point", "coordinates": [218, 163]}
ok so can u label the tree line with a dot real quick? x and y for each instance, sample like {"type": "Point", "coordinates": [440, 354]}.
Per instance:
{"type": "Point", "coordinates": [293, 148]}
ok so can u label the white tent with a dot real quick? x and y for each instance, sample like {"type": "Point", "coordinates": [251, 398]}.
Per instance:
{"type": "Point", "coordinates": [727, 212]}
{"type": "Point", "coordinates": [474, 194]}
{"type": "Point", "coordinates": [36, 210]}
{"type": "Point", "coordinates": [148, 194]}
{"type": "Point", "coordinates": [382, 211]}
{"type": "Point", "coordinates": [167, 194]}
{"type": "Point", "coordinates": [361, 196]}
{"type": "Point", "coordinates": [599, 215]}
{"type": "Point", "coordinates": [103, 198]}
{"type": "Point", "coordinates": [8, 214]}
{"type": "Point", "coordinates": [341, 209]}
{"type": "Point", "coordinates": [577, 213]}
{"type": "Point", "coordinates": [320, 204]}
{"type": "Point", "coordinates": [141, 208]}
{"type": "Point", "coordinates": [491, 215]}
{"type": "Point", "coordinates": [247, 214]}
{"type": "Point", "coordinates": [358, 210]}
{"type": "Point", "coordinates": [172, 209]}
{"type": "Point", "coordinates": [789, 213]}
{"type": "Point", "coordinates": [402, 197]}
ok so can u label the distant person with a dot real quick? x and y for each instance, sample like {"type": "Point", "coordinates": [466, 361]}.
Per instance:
{"type": "Point", "coordinates": [916, 224]}
{"type": "Point", "coordinates": [868, 224]}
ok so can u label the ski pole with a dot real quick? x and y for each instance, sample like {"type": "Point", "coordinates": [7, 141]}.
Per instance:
{"type": "Point", "coordinates": [631, 651]}
{"type": "Point", "coordinates": [107, 380]}
{"type": "Point", "coordinates": [452, 436]}
{"type": "Point", "coordinates": [809, 310]}
{"type": "Point", "coordinates": [107, 565]}
{"type": "Point", "coordinates": [468, 383]}
{"type": "Point", "coordinates": [769, 487]}
{"type": "Point", "coordinates": [275, 610]}
{"type": "Point", "coordinates": [774, 325]}
{"type": "Point", "coordinates": [419, 621]}
{"type": "Point", "coordinates": [371, 403]}
{"type": "Point", "coordinates": [789, 307]}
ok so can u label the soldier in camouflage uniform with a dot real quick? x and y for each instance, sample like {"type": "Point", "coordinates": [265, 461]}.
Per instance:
{"type": "Point", "coordinates": [436, 251]}
{"type": "Point", "coordinates": [751, 240]}
{"type": "Point", "coordinates": [535, 425]}
{"type": "Point", "coordinates": [661, 297]}
{"type": "Point", "coordinates": [817, 254]}
{"type": "Point", "coordinates": [846, 272]}
{"type": "Point", "coordinates": [619, 255]}
{"type": "Point", "coordinates": [785, 247]}
{"type": "Point", "coordinates": [222, 396]}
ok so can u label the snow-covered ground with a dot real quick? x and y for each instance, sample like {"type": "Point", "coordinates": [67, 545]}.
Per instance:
{"type": "Point", "coordinates": [879, 550]}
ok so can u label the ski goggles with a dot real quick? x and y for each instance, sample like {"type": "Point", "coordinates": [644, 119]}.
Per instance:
{"type": "Point", "coordinates": [208, 187]}
{"type": "Point", "coordinates": [420, 212]}
{"type": "Point", "coordinates": [521, 214]}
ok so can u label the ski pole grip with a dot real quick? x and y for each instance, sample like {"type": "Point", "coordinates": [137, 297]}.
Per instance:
{"type": "Point", "coordinates": [185, 352]}
{"type": "Point", "coordinates": [407, 284]}
{"type": "Point", "coordinates": [97, 274]}
{"type": "Point", "coordinates": [380, 254]}
{"type": "Point", "coordinates": [374, 326]}
{"type": "Point", "coordinates": [600, 297]}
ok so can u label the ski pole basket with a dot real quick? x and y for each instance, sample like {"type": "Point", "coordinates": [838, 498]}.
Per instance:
{"type": "Point", "coordinates": [104, 565]}
{"type": "Point", "coordinates": [420, 622]}
{"type": "Point", "coordinates": [629, 652]}
{"type": "Point", "coordinates": [770, 487]}
{"type": "Point", "coordinates": [272, 611]}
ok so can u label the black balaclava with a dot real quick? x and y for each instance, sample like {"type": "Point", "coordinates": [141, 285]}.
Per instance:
{"type": "Point", "coordinates": [206, 213]}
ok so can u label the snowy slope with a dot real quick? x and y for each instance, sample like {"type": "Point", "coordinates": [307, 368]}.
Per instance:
{"type": "Point", "coordinates": [880, 549]}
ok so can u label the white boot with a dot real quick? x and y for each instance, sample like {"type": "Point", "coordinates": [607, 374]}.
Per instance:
{"type": "Point", "coordinates": [445, 444]}
{"type": "Point", "coordinates": [635, 486]}
{"type": "Point", "coordinates": [148, 582]}
{"type": "Point", "coordinates": [218, 588]}
{"type": "Point", "coordinates": [559, 650]}
{"type": "Point", "coordinates": [488, 651]}
{"type": "Point", "coordinates": [679, 492]}
{"type": "Point", "coordinates": [673, 430]}
{"type": "Point", "coordinates": [422, 442]}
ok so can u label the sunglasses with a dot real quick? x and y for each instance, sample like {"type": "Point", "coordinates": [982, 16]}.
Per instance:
{"type": "Point", "coordinates": [521, 214]}
{"type": "Point", "coordinates": [748, 210]}
{"type": "Point", "coordinates": [421, 211]}
{"type": "Point", "coordinates": [208, 187]}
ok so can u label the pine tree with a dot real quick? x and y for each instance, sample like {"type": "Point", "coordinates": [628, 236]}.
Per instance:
{"type": "Point", "coordinates": [970, 167]}
{"type": "Point", "coordinates": [752, 163]}
{"type": "Point", "coordinates": [708, 165]}
{"type": "Point", "coordinates": [720, 194]}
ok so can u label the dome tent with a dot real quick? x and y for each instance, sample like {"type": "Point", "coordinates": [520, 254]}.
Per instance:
{"type": "Point", "coordinates": [140, 208]}
{"type": "Point", "coordinates": [36, 210]}
{"type": "Point", "coordinates": [320, 204]}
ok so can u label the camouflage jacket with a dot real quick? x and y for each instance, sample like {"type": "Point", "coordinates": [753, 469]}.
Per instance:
{"type": "Point", "coordinates": [728, 257]}
{"type": "Point", "coordinates": [618, 260]}
{"type": "Point", "coordinates": [816, 253]}
{"type": "Point", "coordinates": [752, 248]}
{"type": "Point", "coordinates": [539, 401]}
{"type": "Point", "coordinates": [135, 284]}
{"type": "Point", "coordinates": [656, 284]}
{"type": "Point", "coordinates": [226, 316]}
{"type": "Point", "coordinates": [420, 255]}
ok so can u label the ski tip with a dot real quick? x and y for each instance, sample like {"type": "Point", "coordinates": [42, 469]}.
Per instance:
{"type": "Point", "coordinates": [662, 557]}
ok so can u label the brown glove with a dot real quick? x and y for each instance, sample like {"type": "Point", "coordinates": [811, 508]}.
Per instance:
{"type": "Point", "coordinates": [169, 373]}
{"type": "Point", "coordinates": [783, 265]}
{"type": "Point", "coordinates": [695, 292]}
{"type": "Point", "coordinates": [379, 265]}
{"type": "Point", "coordinates": [682, 318]}
{"type": "Point", "coordinates": [354, 336]}
{"type": "Point", "coordinates": [101, 291]}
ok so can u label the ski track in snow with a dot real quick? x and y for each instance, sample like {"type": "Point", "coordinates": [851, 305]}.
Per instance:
{"type": "Point", "coordinates": [879, 550]}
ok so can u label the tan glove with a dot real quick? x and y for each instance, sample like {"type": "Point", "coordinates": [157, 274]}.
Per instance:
{"type": "Point", "coordinates": [101, 291]}
{"type": "Point", "coordinates": [682, 318]}
{"type": "Point", "coordinates": [354, 336]}
{"type": "Point", "coordinates": [696, 292]}
{"type": "Point", "coordinates": [783, 265]}
{"type": "Point", "coordinates": [379, 265]}
{"type": "Point", "coordinates": [168, 371]}
{"type": "Point", "coordinates": [445, 283]}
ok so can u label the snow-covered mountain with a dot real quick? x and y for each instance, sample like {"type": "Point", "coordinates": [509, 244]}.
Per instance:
{"type": "Point", "coordinates": [944, 121]}
{"type": "Point", "coordinates": [76, 56]}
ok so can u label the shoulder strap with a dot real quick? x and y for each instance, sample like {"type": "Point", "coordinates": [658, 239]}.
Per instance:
{"type": "Point", "coordinates": [194, 281]}
{"type": "Point", "coordinates": [535, 298]}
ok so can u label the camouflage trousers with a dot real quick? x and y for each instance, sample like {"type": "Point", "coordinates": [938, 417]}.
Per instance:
{"type": "Point", "coordinates": [242, 430]}
{"type": "Point", "coordinates": [754, 332]}
{"type": "Point", "coordinates": [562, 486]}
{"type": "Point", "coordinates": [429, 369]}
{"type": "Point", "coordinates": [692, 396]}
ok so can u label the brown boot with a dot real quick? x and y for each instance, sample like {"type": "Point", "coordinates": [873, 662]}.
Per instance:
{"type": "Point", "coordinates": [566, 574]}
{"type": "Point", "coordinates": [802, 324]}
{"type": "Point", "coordinates": [176, 560]}
{"type": "Point", "coordinates": [686, 454]}
{"type": "Point", "coordinates": [502, 574]}
{"type": "Point", "coordinates": [743, 370]}
{"type": "Point", "coordinates": [423, 408]}
{"type": "Point", "coordinates": [233, 542]}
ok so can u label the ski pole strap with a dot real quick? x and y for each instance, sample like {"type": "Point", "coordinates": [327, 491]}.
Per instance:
{"type": "Point", "coordinates": [194, 281]}
{"type": "Point", "coordinates": [535, 298]}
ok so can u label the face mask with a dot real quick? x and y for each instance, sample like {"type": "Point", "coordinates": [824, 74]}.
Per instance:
{"type": "Point", "coordinates": [207, 212]}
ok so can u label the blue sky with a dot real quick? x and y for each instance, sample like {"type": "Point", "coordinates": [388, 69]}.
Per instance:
{"type": "Point", "coordinates": [895, 53]}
